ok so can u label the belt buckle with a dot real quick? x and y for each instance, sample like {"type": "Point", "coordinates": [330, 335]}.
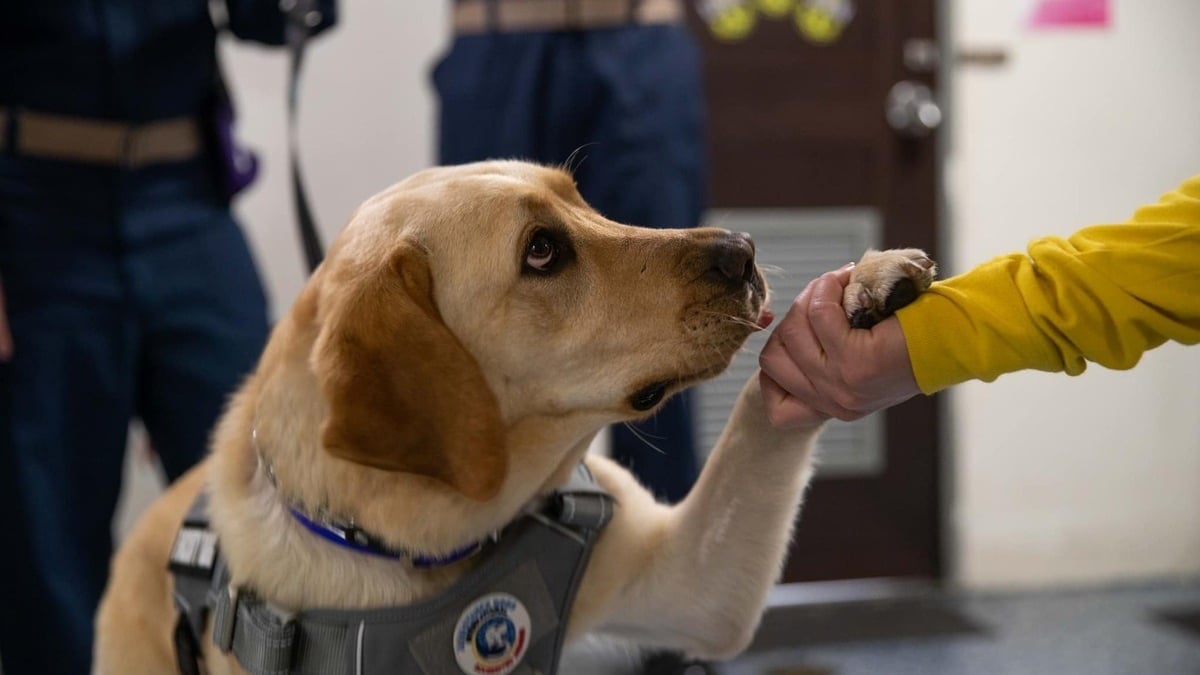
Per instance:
{"type": "Point", "coordinates": [573, 19]}
{"type": "Point", "coordinates": [131, 144]}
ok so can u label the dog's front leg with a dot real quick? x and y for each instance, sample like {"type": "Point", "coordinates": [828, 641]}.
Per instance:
{"type": "Point", "coordinates": [695, 577]}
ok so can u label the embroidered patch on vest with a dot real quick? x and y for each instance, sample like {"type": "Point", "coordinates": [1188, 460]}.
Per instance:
{"type": "Point", "coordinates": [491, 635]}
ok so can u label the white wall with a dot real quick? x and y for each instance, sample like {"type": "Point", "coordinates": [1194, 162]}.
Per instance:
{"type": "Point", "coordinates": [367, 120]}
{"type": "Point", "coordinates": [1095, 478]}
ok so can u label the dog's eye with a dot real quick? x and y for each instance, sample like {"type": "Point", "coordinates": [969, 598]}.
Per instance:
{"type": "Point", "coordinates": [648, 397]}
{"type": "Point", "coordinates": [542, 254]}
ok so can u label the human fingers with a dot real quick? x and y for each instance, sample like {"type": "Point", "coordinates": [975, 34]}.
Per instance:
{"type": "Point", "coordinates": [784, 410]}
{"type": "Point", "coordinates": [801, 377]}
{"type": "Point", "coordinates": [826, 314]}
{"type": "Point", "coordinates": [779, 366]}
{"type": "Point", "coordinates": [793, 334]}
{"type": "Point", "coordinates": [791, 352]}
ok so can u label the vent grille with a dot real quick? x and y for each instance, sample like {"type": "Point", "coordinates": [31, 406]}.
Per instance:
{"type": "Point", "coordinates": [795, 247]}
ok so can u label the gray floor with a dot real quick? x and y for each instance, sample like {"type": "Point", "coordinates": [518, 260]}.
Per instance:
{"type": "Point", "coordinates": [1087, 632]}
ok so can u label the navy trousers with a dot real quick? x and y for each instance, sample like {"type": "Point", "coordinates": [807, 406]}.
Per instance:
{"type": "Point", "coordinates": [628, 103]}
{"type": "Point", "coordinates": [130, 294]}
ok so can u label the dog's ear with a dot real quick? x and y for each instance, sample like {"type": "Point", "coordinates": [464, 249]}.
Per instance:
{"type": "Point", "coordinates": [403, 392]}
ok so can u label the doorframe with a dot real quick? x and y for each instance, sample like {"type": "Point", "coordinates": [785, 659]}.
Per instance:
{"type": "Point", "coordinates": [891, 588]}
{"type": "Point", "coordinates": [948, 535]}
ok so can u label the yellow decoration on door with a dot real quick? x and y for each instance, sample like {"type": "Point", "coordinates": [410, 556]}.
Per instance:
{"type": "Point", "coordinates": [776, 9]}
{"type": "Point", "coordinates": [732, 23]}
{"type": "Point", "coordinates": [822, 21]}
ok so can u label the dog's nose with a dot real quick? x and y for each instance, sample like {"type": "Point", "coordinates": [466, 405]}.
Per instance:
{"type": "Point", "coordinates": [733, 258]}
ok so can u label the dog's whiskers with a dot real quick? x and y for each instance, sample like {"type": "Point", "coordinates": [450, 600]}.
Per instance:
{"type": "Point", "coordinates": [567, 164]}
{"type": "Point", "coordinates": [642, 436]}
{"type": "Point", "coordinates": [732, 319]}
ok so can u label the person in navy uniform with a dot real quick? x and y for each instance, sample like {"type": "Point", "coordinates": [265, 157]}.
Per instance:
{"type": "Point", "coordinates": [612, 87]}
{"type": "Point", "coordinates": [128, 289]}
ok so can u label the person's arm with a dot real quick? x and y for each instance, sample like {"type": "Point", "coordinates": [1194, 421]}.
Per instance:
{"type": "Point", "coordinates": [1106, 294]}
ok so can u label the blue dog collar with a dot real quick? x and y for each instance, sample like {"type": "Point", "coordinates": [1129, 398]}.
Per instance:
{"type": "Point", "coordinates": [347, 535]}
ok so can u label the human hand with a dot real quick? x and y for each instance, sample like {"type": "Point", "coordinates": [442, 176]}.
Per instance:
{"type": "Point", "coordinates": [6, 342]}
{"type": "Point", "coordinates": [815, 366]}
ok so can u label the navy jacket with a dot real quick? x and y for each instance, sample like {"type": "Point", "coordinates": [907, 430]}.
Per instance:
{"type": "Point", "coordinates": [129, 60]}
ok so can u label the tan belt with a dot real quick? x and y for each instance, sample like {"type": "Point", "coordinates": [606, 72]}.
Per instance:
{"type": "Point", "coordinates": [510, 16]}
{"type": "Point", "coordinates": [78, 139]}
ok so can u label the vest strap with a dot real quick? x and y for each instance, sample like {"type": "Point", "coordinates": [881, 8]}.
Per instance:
{"type": "Point", "coordinates": [262, 641]}
{"type": "Point", "coordinates": [582, 502]}
{"type": "Point", "coordinates": [267, 644]}
{"type": "Point", "coordinates": [223, 601]}
{"type": "Point", "coordinates": [194, 565]}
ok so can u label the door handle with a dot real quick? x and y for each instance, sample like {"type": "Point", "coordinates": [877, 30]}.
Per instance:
{"type": "Point", "coordinates": [911, 109]}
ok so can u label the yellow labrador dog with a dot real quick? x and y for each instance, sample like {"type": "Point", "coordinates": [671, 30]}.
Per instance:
{"type": "Point", "coordinates": [471, 331]}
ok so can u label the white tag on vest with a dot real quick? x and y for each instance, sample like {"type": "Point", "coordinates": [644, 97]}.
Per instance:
{"type": "Point", "coordinates": [194, 551]}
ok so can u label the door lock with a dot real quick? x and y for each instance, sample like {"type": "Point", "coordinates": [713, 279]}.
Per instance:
{"type": "Point", "coordinates": [911, 109]}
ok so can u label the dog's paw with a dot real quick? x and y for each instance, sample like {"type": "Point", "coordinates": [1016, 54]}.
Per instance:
{"type": "Point", "coordinates": [883, 282]}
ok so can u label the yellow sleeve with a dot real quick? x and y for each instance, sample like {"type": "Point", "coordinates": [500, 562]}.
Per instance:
{"type": "Point", "coordinates": [1107, 294]}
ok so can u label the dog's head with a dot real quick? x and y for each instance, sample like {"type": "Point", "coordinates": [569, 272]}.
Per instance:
{"type": "Point", "coordinates": [465, 300]}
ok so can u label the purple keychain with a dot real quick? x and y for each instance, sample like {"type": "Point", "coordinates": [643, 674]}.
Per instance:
{"type": "Point", "coordinates": [239, 164]}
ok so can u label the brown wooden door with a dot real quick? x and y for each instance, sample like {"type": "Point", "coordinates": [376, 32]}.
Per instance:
{"type": "Point", "coordinates": [797, 122]}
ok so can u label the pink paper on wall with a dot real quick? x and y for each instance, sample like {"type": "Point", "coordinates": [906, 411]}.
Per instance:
{"type": "Point", "coordinates": [1057, 13]}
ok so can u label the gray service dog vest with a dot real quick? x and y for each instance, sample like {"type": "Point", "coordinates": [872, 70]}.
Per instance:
{"type": "Point", "coordinates": [507, 615]}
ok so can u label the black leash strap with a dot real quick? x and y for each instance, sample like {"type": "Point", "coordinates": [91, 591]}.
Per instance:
{"type": "Point", "coordinates": [187, 651]}
{"type": "Point", "coordinates": [302, 17]}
